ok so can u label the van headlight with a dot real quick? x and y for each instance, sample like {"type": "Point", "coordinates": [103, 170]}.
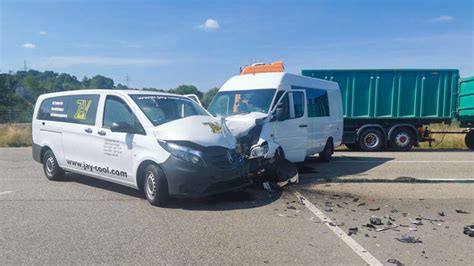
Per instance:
{"type": "Point", "coordinates": [183, 153]}
{"type": "Point", "coordinates": [259, 151]}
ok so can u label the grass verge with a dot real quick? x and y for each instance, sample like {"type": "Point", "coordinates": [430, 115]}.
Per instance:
{"type": "Point", "coordinates": [15, 135]}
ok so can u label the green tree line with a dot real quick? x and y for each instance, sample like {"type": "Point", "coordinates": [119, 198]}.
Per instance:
{"type": "Point", "coordinates": [19, 90]}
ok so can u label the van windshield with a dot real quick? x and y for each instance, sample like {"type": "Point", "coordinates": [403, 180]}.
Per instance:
{"type": "Point", "coordinates": [162, 109]}
{"type": "Point", "coordinates": [228, 103]}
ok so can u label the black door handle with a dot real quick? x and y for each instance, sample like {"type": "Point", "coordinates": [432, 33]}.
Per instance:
{"type": "Point", "coordinates": [43, 123]}
{"type": "Point", "coordinates": [88, 130]}
{"type": "Point", "coordinates": [102, 133]}
{"type": "Point", "coordinates": [303, 125]}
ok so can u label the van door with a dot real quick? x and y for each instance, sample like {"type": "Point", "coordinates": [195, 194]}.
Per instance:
{"type": "Point", "coordinates": [117, 148]}
{"type": "Point", "coordinates": [79, 132]}
{"type": "Point", "coordinates": [290, 130]}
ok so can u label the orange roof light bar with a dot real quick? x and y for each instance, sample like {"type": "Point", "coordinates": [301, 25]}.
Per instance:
{"type": "Point", "coordinates": [263, 68]}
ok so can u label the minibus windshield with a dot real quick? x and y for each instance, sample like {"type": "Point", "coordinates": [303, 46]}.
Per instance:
{"type": "Point", "coordinates": [228, 103]}
{"type": "Point", "coordinates": [162, 109]}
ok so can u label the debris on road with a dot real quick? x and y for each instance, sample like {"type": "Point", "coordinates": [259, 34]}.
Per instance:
{"type": "Point", "coordinates": [441, 214]}
{"type": "Point", "coordinates": [371, 226]}
{"type": "Point", "coordinates": [469, 230]}
{"type": "Point", "coordinates": [375, 220]}
{"type": "Point", "coordinates": [409, 239]}
{"type": "Point", "coordinates": [374, 209]}
{"type": "Point", "coordinates": [353, 231]}
{"type": "Point", "coordinates": [417, 222]}
{"type": "Point", "coordinates": [461, 211]}
{"type": "Point", "coordinates": [386, 228]}
{"type": "Point", "coordinates": [396, 262]}
{"type": "Point", "coordinates": [361, 204]}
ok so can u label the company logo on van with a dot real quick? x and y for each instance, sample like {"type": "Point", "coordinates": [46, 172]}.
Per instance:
{"type": "Point", "coordinates": [215, 127]}
{"type": "Point", "coordinates": [82, 108]}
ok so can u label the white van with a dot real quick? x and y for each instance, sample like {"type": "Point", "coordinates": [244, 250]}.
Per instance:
{"type": "Point", "coordinates": [164, 144]}
{"type": "Point", "coordinates": [281, 114]}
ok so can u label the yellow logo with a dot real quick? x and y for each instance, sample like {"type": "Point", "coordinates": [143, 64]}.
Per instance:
{"type": "Point", "coordinates": [82, 108]}
{"type": "Point", "coordinates": [215, 127]}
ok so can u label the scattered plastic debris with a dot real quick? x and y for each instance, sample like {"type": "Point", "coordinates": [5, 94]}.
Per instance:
{"type": "Point", "coordinates": [417, 222]}
{"type": "Point", "coordinates": [395, 261]}
{"type": "Point", "coordinates": [374, 209]}
{"type": "Point", "coordinates": [469, 230]}
{"type": "Point", "coordinates": [375, 220]}
{"type": "Point", "coordinates": [461, 211]}
{"type": "Point", "coordinates": [371, 226]}
{"type": "Point", "coordinates": [355, 200]}
{"type": "Point", "coordinates": [390, 217]}
{"type": "Point", "coordinates": [409, 239]}
{"type": "Point", "coordinates": [291, 207]}
{"type": "Point", "coordinates": [361, 204]}
{"type": "Point", "coordinates": [386, 228]}
{"type": "Point", "coordinates": [441, 214]}
{"type": "Point", "coordinates": [329, 209]}
{"type": "Point", "coordinates": [353, 230]}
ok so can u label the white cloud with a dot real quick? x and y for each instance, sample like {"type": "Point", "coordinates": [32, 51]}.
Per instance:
{"type": "Point", "coordinates": [441, 19]}
{"type": "Point", "coordinates": [209, 24]}
{"type": "Point", "coordinates": [42, 33]}
{"type": "Point", "coordinates": [28, 45]}
{"type": "Point", "coordinates": [69, 61]}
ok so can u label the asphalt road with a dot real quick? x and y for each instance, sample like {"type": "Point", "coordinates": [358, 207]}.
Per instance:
{"type": "Point", "coordinates": [82, 220]}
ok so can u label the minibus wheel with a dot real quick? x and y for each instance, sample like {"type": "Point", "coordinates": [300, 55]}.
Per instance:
{"type": "Point", "coordinates": [155, 186]}
{"type": "Point", "coordinates": [51, 167]}
{"type": "Point", "coordinates": [326, 154]}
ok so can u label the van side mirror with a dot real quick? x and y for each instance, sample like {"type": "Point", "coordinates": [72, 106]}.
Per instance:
{"type": "Point", "coordinates": [123, 127]}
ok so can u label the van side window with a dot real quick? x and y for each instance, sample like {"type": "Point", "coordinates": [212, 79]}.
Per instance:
{"type": "Point", "coordinates": [53, 109]}
{"type": "Point", "coordinates": [317, 102]}
{"type": "Point", "coordinates": [116, 110]}
{"type": "Point", "coordinates": [82, 109]}
{"type": "Point", "coordinates": [298, 104]}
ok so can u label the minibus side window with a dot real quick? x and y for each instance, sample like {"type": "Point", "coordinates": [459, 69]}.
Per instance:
{"type": "Point", "coordinates": [298, 104]}
{"type": "Point", "coordinates": [116, 110]}
{"type": "Point", "coordinates": [317, 101]}
{"type": "Point", "coordinates": [53, 109]}
{"type": "Point", "coordinates": [82, 109]}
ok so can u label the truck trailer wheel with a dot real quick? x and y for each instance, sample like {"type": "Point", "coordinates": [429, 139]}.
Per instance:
{"type": "Point", "coordinates": [155, 186]}
{"type": "Point", "coordinates": [371, 139]}
{"type": "Point", "coordinates": [469, 139]}
{"type": "Point", "coordinates": [51, 167]}
{"type": "Point", "coordinates": [402, 139]}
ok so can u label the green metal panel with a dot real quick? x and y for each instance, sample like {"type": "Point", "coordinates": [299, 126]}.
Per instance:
{"type": "Point", "coordinates": [395, 93]}
{"type": "Point", "coordinates": [466, 100]}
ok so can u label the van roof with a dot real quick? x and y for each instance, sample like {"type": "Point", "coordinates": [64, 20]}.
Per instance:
{"type": "Point", "coordinates": [102, 91]}
{"type": "Point", "coordinates": [274, 80]}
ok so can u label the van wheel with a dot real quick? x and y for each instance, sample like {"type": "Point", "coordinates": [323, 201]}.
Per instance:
{"type": "Point", "coordinates": [155, 186]}
{"type": "Point", "coordinates": [469, 139]}
{"type": "Point", "coordinates": [402, 139]}
{"type": "Point", "coordinates": [51, 167]}
{"type": "Point", "coordinates": [326, 154]}
{"type": "Point", "coordinates": [371, 139]}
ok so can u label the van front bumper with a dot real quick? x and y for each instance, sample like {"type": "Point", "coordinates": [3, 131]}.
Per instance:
{"type": "Point", "coordinates": [188, 180]}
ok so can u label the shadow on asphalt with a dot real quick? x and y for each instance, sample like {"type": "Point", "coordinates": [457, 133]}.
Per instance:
{"type": "Point", "coordinates": [314, 171]}
{"type": "Point", "coordinates": [251, 197]}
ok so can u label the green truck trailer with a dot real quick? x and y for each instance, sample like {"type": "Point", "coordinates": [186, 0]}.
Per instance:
{"type": "Point", "coordinates": [386, 108]}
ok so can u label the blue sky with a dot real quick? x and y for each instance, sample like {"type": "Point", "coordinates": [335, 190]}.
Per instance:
{"type": "Point", "coordinates": [163, 44]}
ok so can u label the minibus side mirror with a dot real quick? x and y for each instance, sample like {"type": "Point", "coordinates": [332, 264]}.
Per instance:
{"type": "Point", "coordinates": [123, 127]}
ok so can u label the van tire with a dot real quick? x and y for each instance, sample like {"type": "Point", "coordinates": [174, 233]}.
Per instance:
{"type": "Point", "coordinates": [51, 167]}
{"type": "Point", "coordinates": [326, 154]}
{"type": "Point", "coordinates": [402, 139]}
{"type": "Point", "coordinates": [371, 139]}
{"type": "Point", "coordinates": [469, 139]}
{"type": "Point", "coordinates": [155, 186]}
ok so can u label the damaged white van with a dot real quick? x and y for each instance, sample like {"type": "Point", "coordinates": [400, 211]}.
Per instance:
{"type": "Point", "coordinates": [163, 144]}
{"type": "Point", "coordinates": [277, 114]}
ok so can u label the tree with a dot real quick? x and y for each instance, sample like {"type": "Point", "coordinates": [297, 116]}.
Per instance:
{"type": "Point", "coordinates": [208, 96]}
{"type": "Point", "coordinates": [101, 82]}
{"type": "Point", "coordinates": [186, 89]}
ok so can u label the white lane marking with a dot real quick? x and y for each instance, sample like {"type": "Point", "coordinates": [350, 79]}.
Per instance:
{"type": "Point", "coordinates": [395, 161]}
{"type": "Point", "coordinates": [5, 192]}
{"type": "Point", "coordinates": [356, 247]}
